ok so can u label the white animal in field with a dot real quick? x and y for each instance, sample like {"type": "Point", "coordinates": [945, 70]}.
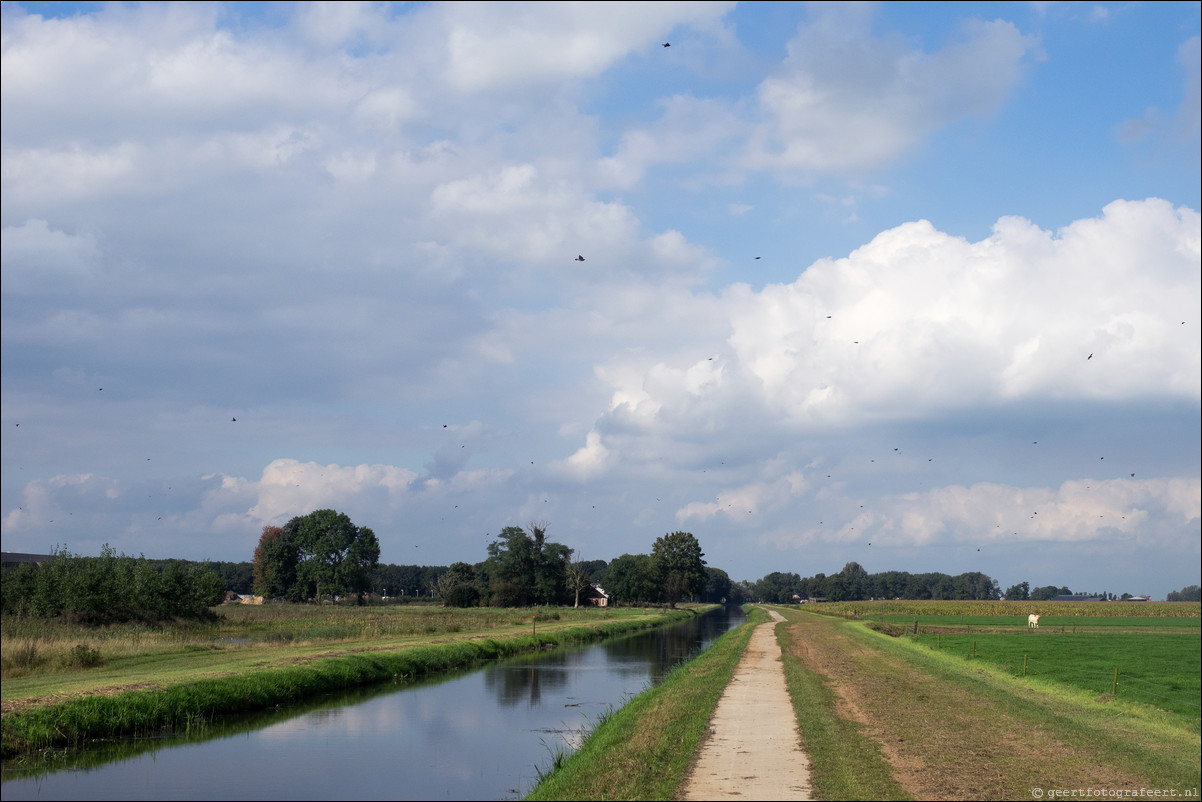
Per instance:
{"type": "Point", "coordinates": [1033, 621]}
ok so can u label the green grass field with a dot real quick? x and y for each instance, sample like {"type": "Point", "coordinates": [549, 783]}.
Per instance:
{"type": "Point", "coordinates": [1156, 647]}
{"type": "Point", "coordinates": [1020, 609]}
{"type": "Point", "coordinates": [1070, 623]}
{"type": "Point", "coordinates": [1161, 670]}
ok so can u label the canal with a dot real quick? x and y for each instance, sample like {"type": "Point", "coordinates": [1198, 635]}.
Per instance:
{"type": "Point", "coordinates": [482, 734]}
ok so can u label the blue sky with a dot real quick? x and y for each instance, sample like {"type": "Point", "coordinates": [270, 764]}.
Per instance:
{"type": "Point", "coordinates": [915, 285]}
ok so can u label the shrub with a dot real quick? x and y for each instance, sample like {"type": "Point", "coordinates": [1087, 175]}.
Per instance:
{"type": "Point", "coordinates": [82, 656]}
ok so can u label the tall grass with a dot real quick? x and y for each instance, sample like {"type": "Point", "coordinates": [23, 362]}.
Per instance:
{"type": "Point", "coordinates": [32, 646]}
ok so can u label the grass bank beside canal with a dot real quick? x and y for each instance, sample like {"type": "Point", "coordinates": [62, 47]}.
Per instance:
{"type": "Point", "coordinates": [886, 717]}
{"type": "Point", "coordinates": [645, 749]}
{"type": "Point", "coordinates": [63, 685]}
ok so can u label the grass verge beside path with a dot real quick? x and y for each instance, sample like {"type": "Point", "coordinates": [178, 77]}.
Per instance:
{"type": "Point", "coordinates": [645, 750]}
{"type": "Point", "coordinates": [951, 729]}
{"type": "Point", "coordinates": [145, 700]}
{"type": "Point", "coordinates": [844, 762]}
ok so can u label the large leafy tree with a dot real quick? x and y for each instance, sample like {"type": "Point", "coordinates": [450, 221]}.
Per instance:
{"type": "Point", "coordinates": [315, 555]}
{"type": "Point", "coordinates": [632, 578]}
{"type": "Point", "coordinates": [274, 564]}
{"type": "Point", "coordinates": [717, 586]}
{"type": "Point", "coordinates": [678, 561]}
{"type": "Point", "coordinates": [1019, 592]}
{"type": "Point", "coordinates": [523, 567]}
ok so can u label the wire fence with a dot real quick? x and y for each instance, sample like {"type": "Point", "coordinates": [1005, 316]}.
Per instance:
{"type": "Point", "coordinates": [1182, 697]}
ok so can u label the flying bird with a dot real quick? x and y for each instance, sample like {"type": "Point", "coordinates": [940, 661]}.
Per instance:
{"type": "Point", "coordinates": [579, 258]}
{"type": "Point", "coordinates": [667, 44]}
{"type": "Point", "coordinates": [233, 420]}
{"type": "Point", "coordinates": [1089, 357]}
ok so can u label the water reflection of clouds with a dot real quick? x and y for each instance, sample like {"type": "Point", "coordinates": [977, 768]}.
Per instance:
{"type": "Point", "coordinates": [473, 735]}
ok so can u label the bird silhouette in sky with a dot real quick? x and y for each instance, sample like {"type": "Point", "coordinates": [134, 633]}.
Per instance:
{"type": "Point", "coordinates": [1089, 357]}
{"type": "Point", "coordinates": [579, 258]}
{"type": "Point", "coordinates": [233, 420]}
{"type": "Point", "coordinates": [667, 44]}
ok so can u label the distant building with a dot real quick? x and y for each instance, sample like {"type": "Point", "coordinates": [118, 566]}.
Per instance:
{"type": "Point", "coordinates": [1136, 598]}
{"type": "Point", "coordinates": [1076, 597]}
{"type": "Point", "coordinates": [596, 596]}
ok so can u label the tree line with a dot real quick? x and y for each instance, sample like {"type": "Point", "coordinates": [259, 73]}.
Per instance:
{"type": "Point", "coordinates": [854, 583]}
{"type": "Point", "coordinates": [323, 555]}
{"type": "Point", "coordinates": [111, 588]}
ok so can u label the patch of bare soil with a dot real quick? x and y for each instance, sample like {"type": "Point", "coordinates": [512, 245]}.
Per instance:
{"type": "Point", "coordinates": [18, 705]}
{"type": "Point", "coordinates": [753, 748]}
{"type": "Point", "coordinates": [943, 742]}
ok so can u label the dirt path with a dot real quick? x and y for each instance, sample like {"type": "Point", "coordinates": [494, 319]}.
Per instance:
{"type": "Point", "coordinates": [753, 749]}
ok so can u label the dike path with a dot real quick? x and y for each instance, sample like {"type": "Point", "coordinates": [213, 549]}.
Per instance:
{"type": "Point", "coordinates": [753, 747]}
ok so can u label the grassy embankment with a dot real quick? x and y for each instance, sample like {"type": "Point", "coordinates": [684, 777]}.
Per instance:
{"type": "Point", "coordinates": [63, 684]}
{"type": "Point", "coordinates": [892, 718]}
{"type": "Point", "coordinates": [1152, 659]}
{"type": "Point", "coordinates": [644, 750]}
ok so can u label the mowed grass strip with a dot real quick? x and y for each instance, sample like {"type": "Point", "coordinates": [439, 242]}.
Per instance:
{"type": "Point", "coordinates": [844, 762]}
{"type": "Point", "coordinates": [1160, 670]}
{"type": "Point", "coordinates": [645, 750]}
{"type": "Point", "coordinates": [956, 730]}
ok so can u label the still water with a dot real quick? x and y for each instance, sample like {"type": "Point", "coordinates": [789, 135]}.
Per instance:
{"type": "Point", "coordinates": [480, 734]}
